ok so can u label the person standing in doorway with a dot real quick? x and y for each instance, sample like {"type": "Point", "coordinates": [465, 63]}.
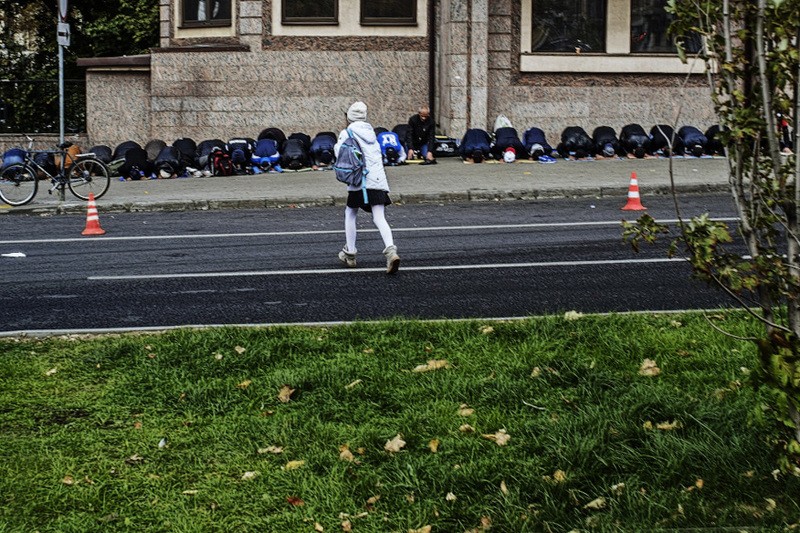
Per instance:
{"type": "Point", "coordinates": [421, 136]}
{"type": "Point", "coordinates": [377, 190]}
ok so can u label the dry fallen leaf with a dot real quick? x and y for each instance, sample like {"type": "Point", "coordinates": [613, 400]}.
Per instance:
{"type": "Point", "coordinates": [285, 394]}
{"type": "Point", "coordinates": [771, 504]}
{"type": "Point", "coordinates": [572, 315]}
{"type": "Point", "coordinates": [218, 356]}
{"type": "Point", "coordinates": [240, 350]}
{"type": "Point", "coordinates": [394, 445]}
{"type": "Point", "coordinates": [134, 459]}
{"type": "Point", "coordinates": [293, 465]}
{"type": "Point", "coordinates": [137, 425]}
{"type": "Point", "coordinates": [465, 410]}
{"type": "Point", "coordinates": [466, 428]}
{"type": "Point", "coordinates": [503, 488]}
{"type": "Point", "coordinates": [423, 529]}
{"type": "Point", "coordinates": [345, 454]}
{"type": "Point", "coordinates": [352, 384]}
{"type": "Point", "coordinates": [596, 504]}
{"type": "Point", "coordinates": [536, 372]}
{"type": "Point", "coordinates": [347, 526]}
{"type": "Point", "coordinates": [249, 475]}
{"type": "Point", "coordinates": [372, 501]}
{"type": "Point", "coordinates": [244, 384]}
{"type": "Point", "coordinates": [68, 480]}
{"type": "Point", "coordinates": [669, 426]}
{"type": "Point", "coordinates": [487, 330]}
{"type": "Point", "coordinates": [450, 497]}
{"type": "Point", "coordinates": [369, 350]}
{"type": "Point", "coordinates": [190, 492]}
{"type": "Point", "coordinates": [559, 476]}
{"type": "Point", "coordinates": [433, 445]}
{"type": "Point", "coordinates": [318, 527]}
{"type": "Point", "coordinates": [51, 372]}
{"type": "Point", "coordinates": [432, 364]}
{"type": "Point", "coordinates": [647, 425]}
{"type": "Point", "coordinates": [270, 449]}
{"type": "Point", "coordinates": [618, 488]}
{"type": "Point", "coordinates": [649, 368]}
{"type": "Point", "coordinates": [500, 438]}
{"type": "Point", "coordinates": [295, 501]}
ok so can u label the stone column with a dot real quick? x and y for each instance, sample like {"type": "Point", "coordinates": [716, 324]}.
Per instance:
{"type": "Point", "coordinates": [250, 23]}
{"type": "Point", "coordinates": [163, 22]}
{"type": "Point", "coordinates": [462, 76]}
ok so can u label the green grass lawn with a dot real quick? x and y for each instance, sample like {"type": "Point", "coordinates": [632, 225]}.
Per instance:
{"type": "Point", "coordinates": [296, 429]}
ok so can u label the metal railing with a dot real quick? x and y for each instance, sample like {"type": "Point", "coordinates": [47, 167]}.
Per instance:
{"type": "Point", "coordinates": [31, 106]}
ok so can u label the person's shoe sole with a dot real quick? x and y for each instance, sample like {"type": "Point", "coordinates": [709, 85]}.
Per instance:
{"type": "Point", "coordinates": [393, 265]}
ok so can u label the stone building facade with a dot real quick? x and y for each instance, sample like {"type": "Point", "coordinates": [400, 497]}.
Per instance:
{"type": "Point", "coordinates": [470, 60]}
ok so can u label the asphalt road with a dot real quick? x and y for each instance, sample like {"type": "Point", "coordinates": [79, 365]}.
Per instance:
{"type": "Point", "coordinates": [272, 266]}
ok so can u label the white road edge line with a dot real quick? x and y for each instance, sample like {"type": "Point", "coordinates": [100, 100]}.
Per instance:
{"type": "Point", "coordinates": [339, 231]}
{"type": "Point", "coordinates": [159, 329]}
{"type": "Point", "coordinates": [403, 269]}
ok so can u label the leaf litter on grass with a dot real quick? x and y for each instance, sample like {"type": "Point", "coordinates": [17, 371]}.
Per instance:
{"type": "Point", "coordinates": [593, 412]}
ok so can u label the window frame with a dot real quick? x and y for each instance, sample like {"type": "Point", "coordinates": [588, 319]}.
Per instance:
{"type": "Point", "coordinates": [389, 21]}
{"type": "Point", "coordinates": [210, 23]}
{"type": "Point", "coordinates": [617, 59]}
{"type": "Point", "coordinates": [310, 21]}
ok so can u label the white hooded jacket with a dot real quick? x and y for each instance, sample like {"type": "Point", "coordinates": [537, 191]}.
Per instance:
{"type": "Point", "coordinates": [365, 135]}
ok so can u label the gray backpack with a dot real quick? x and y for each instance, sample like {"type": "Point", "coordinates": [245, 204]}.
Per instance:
{"type": "Point", "coordinates": [350, 167]}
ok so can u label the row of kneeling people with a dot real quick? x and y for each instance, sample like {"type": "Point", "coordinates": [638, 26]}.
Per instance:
{"type": "Point", "coordinates": [273, 151]}
{"type": "Point", "coordinates": [575, 143]}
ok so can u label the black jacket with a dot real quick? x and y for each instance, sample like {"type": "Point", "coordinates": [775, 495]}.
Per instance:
{"type": "Point", "coordinates": [634, 140]}
{"type": "Point", "coordinates": [420, 133]}
{"type": "Point", "coordinates": [576, 142]}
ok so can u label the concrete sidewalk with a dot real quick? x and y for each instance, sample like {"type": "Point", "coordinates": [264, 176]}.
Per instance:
{"type": "Point", "coordinates": [450, 180]}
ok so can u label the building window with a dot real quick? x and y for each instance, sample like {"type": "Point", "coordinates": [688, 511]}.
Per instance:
{"type": "Point", "coordinates": [201, 13]}
{"type": "Point", "coordinates": [388, 12]}
{"type": "Point", "coordinates": [600, 36]}
{"type": "Point", "coordinates": [309, 11]}
{"type": "Point", "coordinates": [569, 26]}
{"type": "Point", "coordinates": [650, 29]}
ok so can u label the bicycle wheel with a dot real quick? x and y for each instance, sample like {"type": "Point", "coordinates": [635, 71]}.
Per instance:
{"type": "Point", "coordinates": [86, 176]}
{"type": "Point", "coordinates": [18, 184]}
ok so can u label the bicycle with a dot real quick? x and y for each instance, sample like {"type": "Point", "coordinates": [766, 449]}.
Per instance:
{"type": "Point", "coordinates": [82, 174]}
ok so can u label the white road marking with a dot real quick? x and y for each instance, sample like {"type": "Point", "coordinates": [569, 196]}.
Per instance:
{"type": "Point", "coordinates": [324, 271]}
{"type": "Point", "coordinates": [537, 225]}
{"type": "Point", "coordinates": [331, 323]}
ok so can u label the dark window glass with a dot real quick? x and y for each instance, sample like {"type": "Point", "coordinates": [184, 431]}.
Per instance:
{"type": "Point", "coordinates": [309, 11]}
{"type": "Point", "coordinates": [389, 12]}
{"type": "Point", "coordinates": [650, 29]}
{"type": "Point", "coordinates": [569, 26]}
{"type": "Point", "coordinates": [206, 12]}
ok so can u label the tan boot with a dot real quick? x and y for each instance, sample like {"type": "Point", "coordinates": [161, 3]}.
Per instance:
{"type": "Point", "coordinates": [347, 258]}
{"type": "Point", "coordinates": [392, 259]}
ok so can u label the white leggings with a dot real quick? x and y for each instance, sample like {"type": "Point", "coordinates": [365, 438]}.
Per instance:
{"type": "Point", "coordinates": [378, 218]}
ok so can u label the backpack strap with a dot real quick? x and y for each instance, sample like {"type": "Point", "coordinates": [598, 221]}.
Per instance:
{"type": "Point", "coordinates": [366, 170]}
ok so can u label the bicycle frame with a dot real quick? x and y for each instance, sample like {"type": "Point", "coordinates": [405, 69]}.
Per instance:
{"type": "Point", "coordinates": [83, 174]}
{"type": "Point", "coordinates": [59, 180]}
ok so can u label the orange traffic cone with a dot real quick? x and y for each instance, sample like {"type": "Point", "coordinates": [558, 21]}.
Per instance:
{"type": "Point", "coordinates": [92, 220]}
{"type": "Point", "coordinates": [634, 202]}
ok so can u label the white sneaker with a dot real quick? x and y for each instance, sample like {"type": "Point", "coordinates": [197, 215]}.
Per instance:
{"type": "Point", "coordinates": [347, 258]}
{"type": "Point", "coordinates": [392, 259]}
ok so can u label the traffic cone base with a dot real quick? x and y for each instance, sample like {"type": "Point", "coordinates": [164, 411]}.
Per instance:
{"type": "Point", "coordinates": [92, 220]}
{"type": "Point", "coordinates": [634, 201]}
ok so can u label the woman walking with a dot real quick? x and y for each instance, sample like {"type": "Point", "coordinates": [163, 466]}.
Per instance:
{"type": "Point", "coordinates": [377, 190]}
